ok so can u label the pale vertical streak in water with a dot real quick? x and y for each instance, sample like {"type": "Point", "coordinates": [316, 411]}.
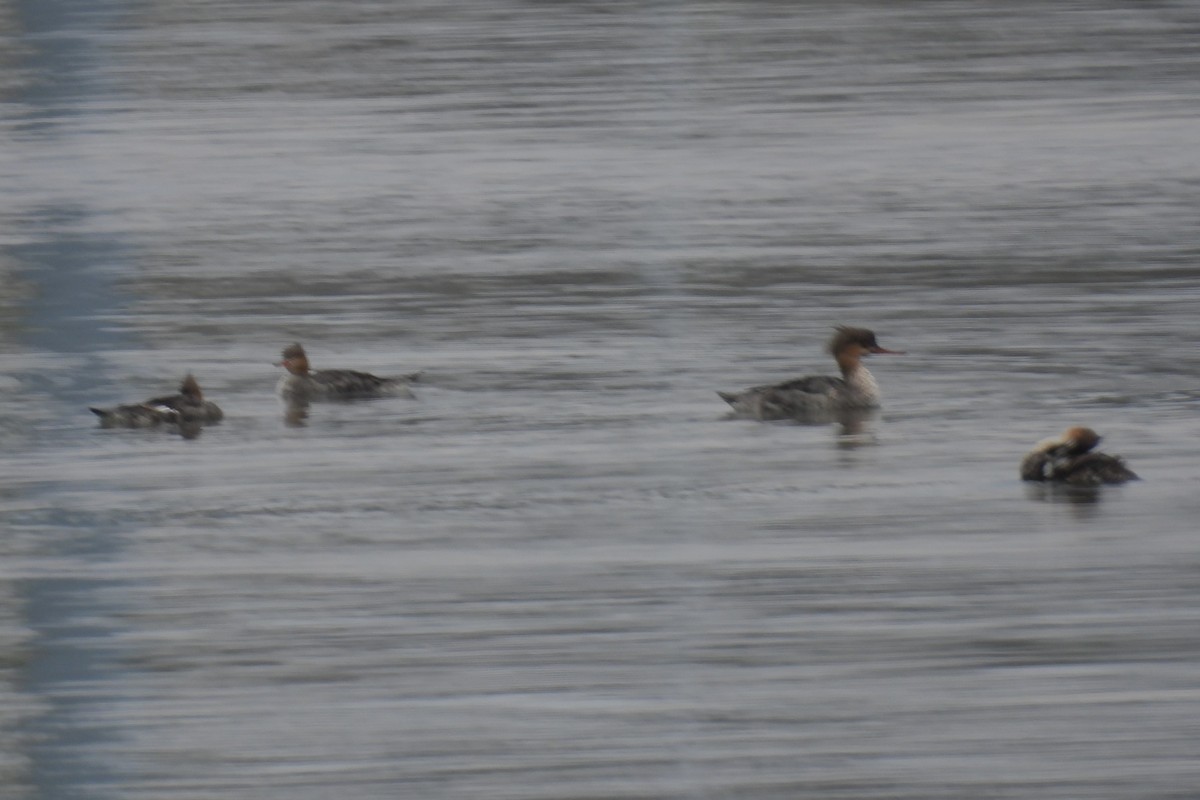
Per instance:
{"type": "Point", "coordinates": [663, 279]}
{"type": "Point", "coordinates": [68, 270]}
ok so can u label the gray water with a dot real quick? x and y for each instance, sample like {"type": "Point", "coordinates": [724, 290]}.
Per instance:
{"type": "Point", "coordinates": [559, 572]}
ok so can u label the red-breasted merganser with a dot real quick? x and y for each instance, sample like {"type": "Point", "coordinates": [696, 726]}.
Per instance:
{"type": "Point", "coordinates": [818, 396]}
{"type": "Point", "coordinates": [302, 385]}
{"type": "Point", "coordinates": [1069, 459]}
{"type": "Point", "coordinates": [188, 408]}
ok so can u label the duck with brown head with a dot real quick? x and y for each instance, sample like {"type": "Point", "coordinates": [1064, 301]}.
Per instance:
{"type": "Point", "coordinates": [818, 397]}
{"type": "Point", "coordinates": [186, 408]}
{"type": "Point", "coordinates": [303, 384]}
{"type": "Point", "coordinates": [1071, 459]}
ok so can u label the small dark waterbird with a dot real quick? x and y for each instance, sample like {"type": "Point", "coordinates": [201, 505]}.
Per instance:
{"type": "Point", "coordinates": [187, 408]}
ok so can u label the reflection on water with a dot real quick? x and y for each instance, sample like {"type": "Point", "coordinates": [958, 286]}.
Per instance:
{"type": "Point", "coordinates": [1081, 499]}
{"type": "Point", "coordinates": [558, 572]}
{"type": "Point", "coordinates": [856, 427]}
{"type": "Point", "coordinates": [295, 414]}
{"type": "Point", "coordinates": [852, 427]}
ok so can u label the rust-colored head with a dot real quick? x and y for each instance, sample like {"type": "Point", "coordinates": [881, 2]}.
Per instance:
{"type": "Point", "coordinates": [1079, 439]}
{"type": "Point", "coordinates": [856, 339]}
{"type": "Point", "coordinates": [294, 359]}
{"type": "Point", "coordinates": [849, 344]}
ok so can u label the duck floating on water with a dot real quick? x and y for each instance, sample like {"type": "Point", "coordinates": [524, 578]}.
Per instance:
{"type": "Point", "coordinates": [1070, 459]}
{"type": "Point", "coordinates": [303, 384]}
{"type": "Point", "coordinates": [188, 408]}
{"type": "Point", "coordinates": [818, 397]}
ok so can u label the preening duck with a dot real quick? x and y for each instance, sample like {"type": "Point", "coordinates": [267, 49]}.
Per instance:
{"type": "Point", "coordinates": [1070, 458]}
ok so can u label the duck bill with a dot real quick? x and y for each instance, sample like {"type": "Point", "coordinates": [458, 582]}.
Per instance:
{"type": "Point", "coordinates": [884, 350]}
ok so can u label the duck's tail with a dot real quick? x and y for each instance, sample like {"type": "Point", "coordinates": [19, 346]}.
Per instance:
{"type": "Point", "coordinates": [729, 397]}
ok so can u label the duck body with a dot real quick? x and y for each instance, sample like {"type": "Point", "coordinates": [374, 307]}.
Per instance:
{"type": "Point", "coordinates": [811, 397]}
{"type": "Point", "coordinates": [1071, 460]}
{"type": "Point", "coordinates": [818, 397]}
{"type": "Point", "coordinates": [188, 407]}
{"type": "Point", "coordinates": [302, 384]}
{"type": "Point", "coordinates": [340, 384]}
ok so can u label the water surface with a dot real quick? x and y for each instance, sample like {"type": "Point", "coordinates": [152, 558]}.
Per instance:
{"type": "Point", "coordinates": [560, 572]}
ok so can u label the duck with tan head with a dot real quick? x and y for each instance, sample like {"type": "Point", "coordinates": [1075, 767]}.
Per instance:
{"type": "Point", "coordinates": [1071, 459]}
{"type": "Point", "coordinates": [303, 384]}
{"type": "Point", "coordinates": [816, 397]}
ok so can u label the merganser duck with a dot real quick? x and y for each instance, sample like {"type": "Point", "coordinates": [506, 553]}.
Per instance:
{"type": "Point", "coordinates": [1069, 459]}
{"type": "Point", "coordinates": [301, 384]}
{"type": "Point", "coordinates": [818, 396]}
{"type": "Point", "coordinates": [188, 408]}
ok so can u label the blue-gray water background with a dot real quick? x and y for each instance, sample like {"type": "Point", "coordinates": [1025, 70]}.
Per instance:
{"type": "Point", "coordinates": [559, 574]}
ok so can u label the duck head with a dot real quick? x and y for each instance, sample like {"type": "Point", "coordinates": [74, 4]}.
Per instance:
{"type": "Point", "coordinates": [294, 360]}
